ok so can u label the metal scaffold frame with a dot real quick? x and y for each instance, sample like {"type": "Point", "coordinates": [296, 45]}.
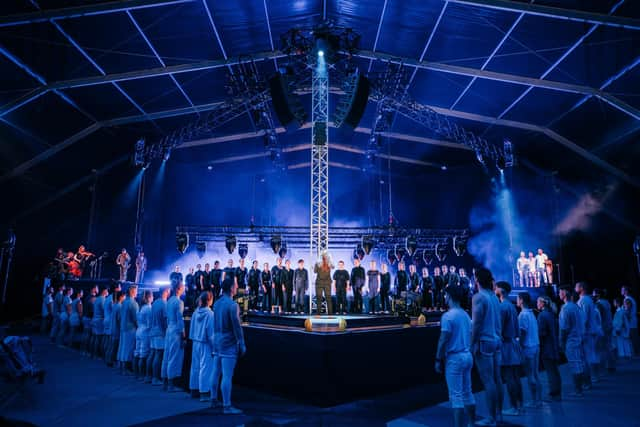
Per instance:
{"type": "Point", "coordinates": [319, 160]}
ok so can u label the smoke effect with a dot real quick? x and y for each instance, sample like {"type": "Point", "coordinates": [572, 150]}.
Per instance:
{"type": "Point", "coordinates": [580, 216]}
{"type": "Point", "coordinates": [509, 222]}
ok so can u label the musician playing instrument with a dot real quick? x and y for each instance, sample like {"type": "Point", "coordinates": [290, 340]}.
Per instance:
{"type": "Point", "coordinates": [124, 263]}
{"type": "Point", "coordinates": [81, 257]}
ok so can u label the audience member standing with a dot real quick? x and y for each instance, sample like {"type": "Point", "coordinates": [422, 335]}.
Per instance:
{"type": "Point", "coordinates": [454, 350]}
{"type": "Point", "coordinates": [486, 340]}
{"type": "Point", "coordinates": [228, 345]}
{"type": "Point", "coordinates": [548, 331]}
{"type": "Point", "coordinates": [511, 353]}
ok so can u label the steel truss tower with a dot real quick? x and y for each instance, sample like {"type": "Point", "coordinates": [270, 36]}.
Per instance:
{"type": "Point", "coordinates": [319, 158]}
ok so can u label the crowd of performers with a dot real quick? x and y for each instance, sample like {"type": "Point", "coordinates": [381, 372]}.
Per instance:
{"type": "Point", "coordinates": [503, 339]}
{"type": "Point", "coordinates": [283, 289]}
{"type": "Point", "coordinates": [144, 335]}
{"type": "Point", "coordinates": [534, 271]}
{"type": "Point", "coordinates": [69, 265]}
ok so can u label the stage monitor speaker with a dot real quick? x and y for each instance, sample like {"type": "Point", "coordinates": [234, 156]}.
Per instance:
{"type": "Point", "coordinates": [286, 105]}
{"type": "Point", "coordinates": [358, 102]}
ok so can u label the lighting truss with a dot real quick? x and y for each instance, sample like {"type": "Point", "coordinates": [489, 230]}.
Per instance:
{"type": "Point", "coordinates": [319, 231]}
{"type": "Point", "coordinates": [441, 125]}
{"type": "Point", "coordinates": [247, 93]}
{"type": "Point", "coordinates": [297, 237]}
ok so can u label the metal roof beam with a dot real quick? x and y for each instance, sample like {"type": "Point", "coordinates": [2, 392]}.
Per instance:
{"type": "Point", "coordinates": [551, 134]}
{"type": "Point", "coordinates": [161, 71]}
{"type": "Point", "coordinates": [22, 168]}
{"type": "Point", "coordinates": [558, 61]}
{"type": "Point", "coordinates": [504, 77]}
{"type": "Point", "coordinates": [337, 147]}
{"type": "Point", "coordinates": [555, 13]}
{"type": "Point", "coordinates": [85, 10]}
{"type": "Point", "coordinates": [158, 57]}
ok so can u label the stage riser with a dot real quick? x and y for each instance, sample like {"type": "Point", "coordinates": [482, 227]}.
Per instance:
{"type": "Point", "coordinates": [329, 369]}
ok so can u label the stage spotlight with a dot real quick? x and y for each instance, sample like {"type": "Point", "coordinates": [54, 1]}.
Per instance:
{"type": "Point", "coordinates": [282, 253]}
{"type": "Point", "coordinates": [243, 250]}
{"type": "Point", "coordinates": [427, 257]}
{"type": "Point", "coordinates": [359, 252]}
{"type": "Point", "coordinates": [441, 251]}
{"type": "Point", "coordinates": [508, 153]}
{"type": "Point", "coordinates": [210, 167]}
{"type": "Point", "coordinates": [400, 252]}
{"type": "Point", "coordinates": [182, 242]}
{"type": "Point", "coordinates": [368, 243]}
{"type": "Point", "coordinates": [411, 245]}
{"type": "Point", "coordinates": [276, 244]}
{"type": "Point", "coordinates": [391, 256]}
{"type": "Point", "coordinates": [459, 245]}
{"type": "Point", "coordinates": [443, 167]}
{"type": "Point", "coordinates": [321, 53]}
{"type": "Point", "coordinates": [417, 257]}
{"type": "Point", "coordinates": [201, 249]}
{"type": "Point", "coordinates": [230, 243]}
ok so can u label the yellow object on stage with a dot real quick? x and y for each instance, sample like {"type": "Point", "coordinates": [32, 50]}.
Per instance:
{"type": "Point", "coordinates": [422, 320]}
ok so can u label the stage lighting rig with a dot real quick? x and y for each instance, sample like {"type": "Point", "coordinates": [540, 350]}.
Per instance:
{"type": "Point", "coordinates": [401, 251]}
{"type": "Point", "coordinates": [411, 244]}
{"type": "Point", "coordinates": [276, 244]}
{"type": "Point", "coordinates": [282, 253]}
{"type": "Point", "coordinates": [243, 250]}
{"type": "Point", "coordinates": [441, 251]}
{"type": "Point", "coordinates": [368, 243]}
{"type": "Point", "coordinates": [182, 242]}
{"type": "Point", "coordinates": [230, 243]}
{"type": "Point", "coordinates": [427, 256]}
{"type": "Point", "coordinates": [201, 249]}
{"type": "Point", "coordinates": [460, 245]}
{"type": "Point", "coordinates": [391, 256]}
{"type": "Point", "coordinates": [509, 159]}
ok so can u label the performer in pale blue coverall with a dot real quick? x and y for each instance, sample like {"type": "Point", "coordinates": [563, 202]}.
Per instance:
{"type": "Point", "coordinates": [109, 304]}
{"type": "Point", "coordinates": [228, 345]}
{"type": "Point", "coordinates": [592, 330]}
{"type": "Point", "coordinates": [128, 326]}
{"type": "Point", "coordinates": [486, 341]}
{"type": "Point", "coordinates": [454, 351]}
{"type": "Point", "coordinates": [571, 331]}
{"type": "Point", "coordinates": [201, 334]}
{"type": "Point", "coordinates": [157, 333]}
{"type": "Point", "coordinates": [97, 324]}
{"type": "Point", "coordinates": [174, 338]}
{"type": "Point", "coordinates": [143, 341]}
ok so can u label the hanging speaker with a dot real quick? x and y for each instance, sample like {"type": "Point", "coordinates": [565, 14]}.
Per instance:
{"type": "Point", "coordinates": [411, 245]}
{"type": "Point", "coordinates": [286, 105]}
{"type": "Point", "coordinates": [182, 242]}
{"type": "Point", "coordinates": [201, 249]}
{"type": "Point", "coordinates": [351, 109]}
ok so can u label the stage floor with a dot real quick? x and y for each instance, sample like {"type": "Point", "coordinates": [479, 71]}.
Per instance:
{"type": "Point", "coordinates": [327, 323]}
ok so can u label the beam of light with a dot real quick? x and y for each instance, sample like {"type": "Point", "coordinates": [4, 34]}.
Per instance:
{"type": "Point", "coordinates": [161, 282]}
{"type": "Point", "coordinates": [131, 191]}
